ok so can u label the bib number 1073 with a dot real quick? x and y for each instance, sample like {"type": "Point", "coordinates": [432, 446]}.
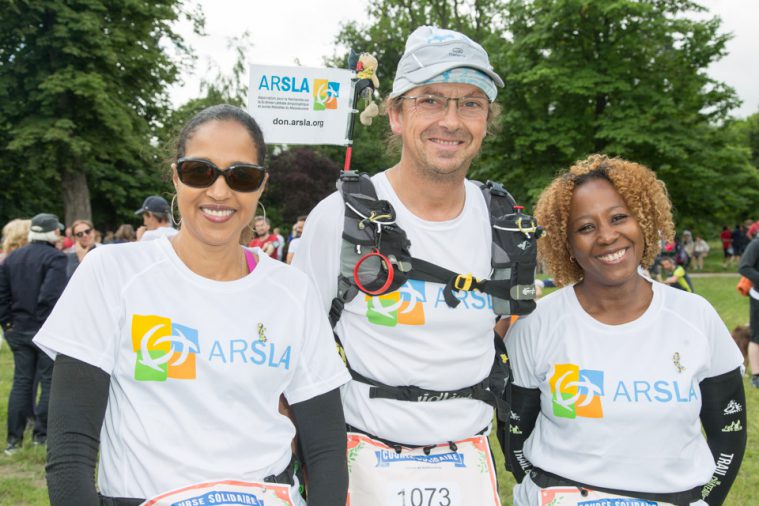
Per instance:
{"type": "Point", "coordinates": [424, 495]}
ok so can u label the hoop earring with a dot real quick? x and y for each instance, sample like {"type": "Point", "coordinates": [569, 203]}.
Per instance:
{"type": "Point", "coordinates": [171, 212]}
{"type": "Point", "coordinates": [263, 209]}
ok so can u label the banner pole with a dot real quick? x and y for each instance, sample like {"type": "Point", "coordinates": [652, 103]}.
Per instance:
{"type": "Point", "coordinates": [358, 87]}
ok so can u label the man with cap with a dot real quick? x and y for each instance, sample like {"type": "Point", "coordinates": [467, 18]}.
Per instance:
{"type": "Point", "coordinates": [155, 213]}
{"type": "Point", "coordinates": [440, 108]}
{"type": "Point", "coordinates": [32, 279]}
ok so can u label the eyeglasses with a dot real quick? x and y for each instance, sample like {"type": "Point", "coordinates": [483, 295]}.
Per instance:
{"type": "Point", "coordinates": [240, 177]}
{"type": "Point", "coordinates": [436, 105]}
{"type": "Point", "coordinates": [82, 233]}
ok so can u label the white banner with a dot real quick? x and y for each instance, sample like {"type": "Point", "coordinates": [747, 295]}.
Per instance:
{"type": "Point", "coordinates": [301, 105]}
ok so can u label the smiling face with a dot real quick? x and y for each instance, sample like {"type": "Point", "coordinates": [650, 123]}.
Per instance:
{"type": "Point", "coordinates": [441, 145]}
{"type": "Point", "coordinates": [83, 235]}
{"type": "Point", "coordinates": [217, 215]}
{"type": "Point", "coordinates": [603, 235]}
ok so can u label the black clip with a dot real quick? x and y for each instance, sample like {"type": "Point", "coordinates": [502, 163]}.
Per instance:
{"type": "Point", "coordinates": [349, 175]}
{"type": "Point", "coordinates": [496, 188]}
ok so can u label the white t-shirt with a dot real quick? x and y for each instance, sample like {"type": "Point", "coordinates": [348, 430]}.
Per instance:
{"type": "Point", "coordinates": [293, 246]}
{"type": "Point", "coordinates": [157, 233]}
{"type": "Point", "coordinates": [410, 336]}
{"type": "Point", "coordinates": [620, 403]}
{"type": "Point", "coordinates": [208, 411]}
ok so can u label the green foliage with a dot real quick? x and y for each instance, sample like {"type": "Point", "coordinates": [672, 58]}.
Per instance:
{"type": "Point", "coordinates": [83, 86]}
{"type": "Point", "coordinates": [746, 134]}
{"type": "Point", "coordinates": [627, 78]}
{"type": "Point", "coordinates": [298, 179]}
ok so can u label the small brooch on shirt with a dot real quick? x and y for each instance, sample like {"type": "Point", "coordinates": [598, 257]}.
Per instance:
{"type": "Point", "coordinates": [261, 333]}
{"type": "Point", "coordinates": [676, 361]}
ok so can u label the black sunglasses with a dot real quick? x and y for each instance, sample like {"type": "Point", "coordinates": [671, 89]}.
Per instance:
{"type": "Point", "coordinates": [82, 233]}
{"type": "Point", "coordinates": [240, 177]}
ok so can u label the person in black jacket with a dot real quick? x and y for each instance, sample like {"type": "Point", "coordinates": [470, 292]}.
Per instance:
{"type": "Point", "coordinates": [750, 268]}
{"type": "Point", "coordinates": [31, 280]}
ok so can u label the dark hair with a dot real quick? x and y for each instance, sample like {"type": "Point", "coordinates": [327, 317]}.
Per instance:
{"type": "Point", "coordinates": [161, 217]}
{"type": "Point", "coordinates": [222, 112]}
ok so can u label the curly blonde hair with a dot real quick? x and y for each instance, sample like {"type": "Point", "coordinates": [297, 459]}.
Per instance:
{"type": "Point", "coordinates": [15, 234]}
{"type": "Point", "coordinates": [644, 194]}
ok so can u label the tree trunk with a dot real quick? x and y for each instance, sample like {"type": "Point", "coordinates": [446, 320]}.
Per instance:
{"type": "Point", "coordinates": [76, 196]}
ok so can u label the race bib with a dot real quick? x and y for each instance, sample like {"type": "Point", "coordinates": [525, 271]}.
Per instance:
{"type": "Point", "coordinates": [571, 496]}
{"type": "Point", "coordinates": [226, 492]}
{"type": "Point", "coordinates": [380, 476]}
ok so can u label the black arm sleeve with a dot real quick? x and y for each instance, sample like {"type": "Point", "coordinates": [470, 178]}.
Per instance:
{"type": "Point", "coordinates": [78, 398]}
{"type": "Point", "coordinates": [525, 407]}
{"type": "Point", "coordinates": [723, 416]}
{"type": "Point", "coordinates": [321, 433]}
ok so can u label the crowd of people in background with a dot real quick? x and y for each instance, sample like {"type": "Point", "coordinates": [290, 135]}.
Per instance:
{"type": "Point", "coordinates": [81, 237]}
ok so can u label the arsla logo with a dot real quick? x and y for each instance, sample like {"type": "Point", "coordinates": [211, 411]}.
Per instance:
{"type": "Point", "coordinates": [325, 94]}
{"type": "Point", "coordinates": [164, 349]}
{"type": "Point", "coordinates": [576, 392]}
{"type": "Point", "coordinates": [402, 307]}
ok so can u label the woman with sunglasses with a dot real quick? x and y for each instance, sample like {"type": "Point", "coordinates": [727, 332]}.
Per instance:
{"type": "Point", "coordinates": [614, 375]}
{"type": "Point", "coordinates": [172, 355]}
{"type": "Point", "coordinates": [84, 242]}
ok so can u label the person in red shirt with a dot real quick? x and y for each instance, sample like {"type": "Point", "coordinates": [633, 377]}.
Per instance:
{"type": "Point", "coordinates": [753, 230]}
{"type": "Point", "coordinates": [726, 236]}
{"type": "Point", "coordinates": [263, 238]}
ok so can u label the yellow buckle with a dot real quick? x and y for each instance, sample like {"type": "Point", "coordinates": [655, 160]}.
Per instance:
{"type": "Point", "coordinates": [341, 352]}
{"type": "Point", "coordinates": [463, 282]}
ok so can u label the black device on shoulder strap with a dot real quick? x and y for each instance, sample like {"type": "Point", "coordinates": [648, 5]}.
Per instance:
{"type": "Point", "coordinates": [375, 259]}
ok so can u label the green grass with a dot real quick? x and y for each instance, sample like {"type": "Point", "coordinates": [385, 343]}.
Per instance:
{"type": "Point", "coordinates": [22, 479]}
{"type": "Point", "coordinates": [22, 476]}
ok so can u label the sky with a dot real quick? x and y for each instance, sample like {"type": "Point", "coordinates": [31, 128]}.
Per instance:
{"type": "Point", "coordinates": [288, 32]}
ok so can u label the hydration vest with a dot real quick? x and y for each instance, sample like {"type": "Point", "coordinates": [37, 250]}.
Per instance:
{"type": "Point", "coordinates": [370, 232]}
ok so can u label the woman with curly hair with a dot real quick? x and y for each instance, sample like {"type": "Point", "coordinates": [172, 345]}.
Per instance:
{"type": "Point", "coordinates": [615, 375]}
{"type": "Point", "coordinates": [15, 235]}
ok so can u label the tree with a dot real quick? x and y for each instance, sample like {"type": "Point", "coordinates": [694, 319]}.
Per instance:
{"type": "Point", "coordinates": [216, 87]}
{"type": "Point", "coordinates": [82, 89]}
{"type": "Point", "coordinates": [298, 179]}
{"type": "Point", "coordinates": [746, 134]}
{"type": "Point", "coordinates": [623, 77]}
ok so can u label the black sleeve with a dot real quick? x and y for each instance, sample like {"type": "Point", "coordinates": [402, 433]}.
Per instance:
{"type": "Point", "coordinates": [321, 433]}
{"type": "Point", "coordinates": [723, 416]}
{"type": "Point", "coordinates": [5, 297]}
{"type": "Point", "coordinates": [52, 286]}
{"type": "Point", "coordinates": [525, 407]}
{"type": "Point", "coordinates": [750, 262]}
{"type": "Point", "coordinates": [78, 398]}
